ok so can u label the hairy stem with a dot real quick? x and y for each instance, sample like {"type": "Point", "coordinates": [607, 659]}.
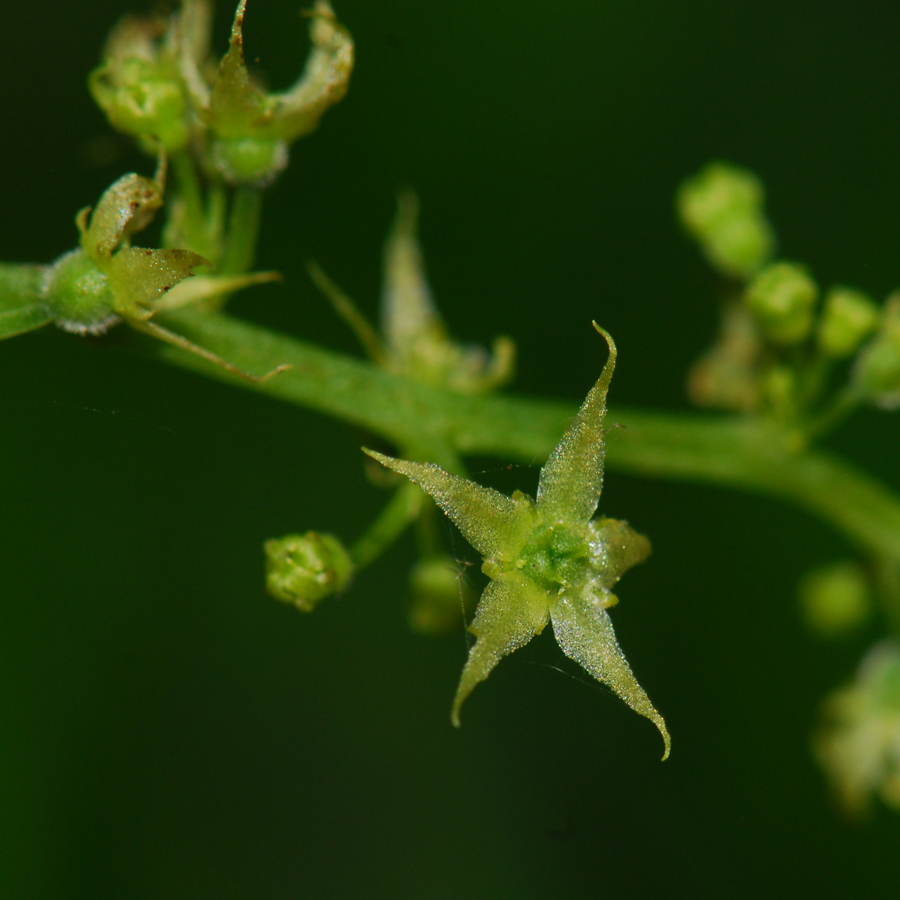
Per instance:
{"type": "Point", "coordinates": [736, 452]}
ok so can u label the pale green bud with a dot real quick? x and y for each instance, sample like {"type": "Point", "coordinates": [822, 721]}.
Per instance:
{"type": "Point", "coordinates": [439, 596]}
{"type": "Point", "coordinates": [836, 598]}
{"type": "Point", "coordinates": [848, 318]}
{"type": "Point", "coordinates": [305, 568]}
{"type": "Point", "coordinates": [877, 370]}
{"type": "Point", "coordinates": [782, 297]}
{"type": "Point", "coordinates": [858, 745]}
{"type": "Point", "coordinates": [722, 208]}
{"type": "Point", "coordinates": [138, 85]}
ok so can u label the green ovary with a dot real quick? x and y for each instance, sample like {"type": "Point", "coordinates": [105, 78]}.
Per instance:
{"type": "Point", "coordinates": [79, 295]}
{"type": "Point", "coordinates": [249, 160]}
{"type": "Point", "coordinates": [555, 556]}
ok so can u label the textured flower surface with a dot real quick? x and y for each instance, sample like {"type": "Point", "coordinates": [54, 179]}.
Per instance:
{"type": "Point", "coordinates": [547, 559]}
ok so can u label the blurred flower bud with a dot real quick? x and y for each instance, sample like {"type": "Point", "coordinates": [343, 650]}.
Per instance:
{"type": "Point", "coordinates": [305, 568]}
{"type": "Point", "coordinates": [877, 371]}
{"type": "Point", "coordinates": [727, 375]}
{"type": "Point", "coordinates": [848, 318]}
{"type": "Point", "coordinates": [858, 744]}
{"type": "Point", "coordinates": [836, 598]}
{"type": "Point", "coordinates": [250, 129]}
{"type": "Point", "coordinates": [138, 84]}
{"type": "Point", "coordinates": [439, 597]}
{"type": "Point", "coordinates": [782, 298]}
{"type": "Point", "coordinates": [722, 208]}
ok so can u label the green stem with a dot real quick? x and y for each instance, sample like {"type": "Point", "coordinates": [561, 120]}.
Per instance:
{"type": "Point", "coordinates": [400, 511]}
{"type": "Point", "coordinates": [20, 285]}
{"type": "Point", "coordinates": [243, 232]}
{"type": "Point", "coordinates": [736, 452]}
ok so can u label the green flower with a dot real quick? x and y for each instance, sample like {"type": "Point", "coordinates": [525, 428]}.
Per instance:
{"type": "Point", "coordinates": [547, 559]}
{"type": "Point", "coordinates": [414, 340]}
{"type": "Point", "coordinates": [106, 281]}
{"type": "Point", "coordinates": [250, 130]}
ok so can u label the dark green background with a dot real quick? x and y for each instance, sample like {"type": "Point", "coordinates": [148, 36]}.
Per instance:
{"type": "Point", "coordinates": [168, 731]}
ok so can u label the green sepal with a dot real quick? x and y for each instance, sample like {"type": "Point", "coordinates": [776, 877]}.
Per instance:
{"type": "Point", "coordinates": [572, 479]}
{"type": "Point", "coordinates": [584, 632]}
{"type": "Point", "coordinates": [495, 525]}
{"type": "Point", "coordinates": [511, 611]}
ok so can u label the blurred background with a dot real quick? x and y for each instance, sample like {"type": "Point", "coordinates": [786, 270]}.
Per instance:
{"type": "Point", "coordinates": [169, 731]}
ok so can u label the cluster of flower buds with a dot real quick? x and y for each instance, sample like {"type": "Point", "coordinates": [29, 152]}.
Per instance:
{"type": "Point", "coordinates": [780, 340]}
{"type": "Point", "coordinates": [858, 744]}
{"type": "Point", "coordinates": [159, 83]}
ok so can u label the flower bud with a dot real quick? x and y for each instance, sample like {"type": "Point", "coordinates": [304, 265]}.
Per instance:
{"type": "Point", "coordinates": [439, 597]}
{"type": "Point", "coordinates": [727, 376]}
{"type": "Point", "coordinates": [722, 208]}
{"type": "Point", "coordinates": [835, 599]}
{"type": "Point", "coordinates": [877, 371]}
{"type": "Point", "coordinates": [305, 568]}
{"type": "Point", "coordinates": [782, 298]}
{"type": "Point", "coordinates": [848, 318]}
{"type": "Point", "coordinates": [138, 85]}
{"type": "Point", "coordinates": [858, 745]}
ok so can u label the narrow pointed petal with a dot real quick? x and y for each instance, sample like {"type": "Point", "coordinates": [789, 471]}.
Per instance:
{"type": "Point", "coordinates": [571, 481]}
{"type": "Point", "coordinates": [25, 318]}
{"type": "Point", "coordinates": [585, 633]}
{"type": "Point", "coordinates": [512, 610]}
{"type": "Point", "coordinates": [495, 525]}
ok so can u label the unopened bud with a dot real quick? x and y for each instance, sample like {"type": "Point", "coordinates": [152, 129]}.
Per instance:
{"type": "Point", "coordinates": [836, 598]}
{"type": "Point", "coordinates": [859, 743]}
{"type": "Point", "coordinates": [138, 85]}
{"type": "Point", "coordinates": [877, 371]}
{"type": "Point", "coordinates": [439, 597]}
{"type": "Point", "coordinates": [848, 318]}
{"type": "Point", "coordinates": [305, 568]}
{"type": "Point", "coordinates": [782, 298]}
{"type": "Point", "coordinates": [722, 208]}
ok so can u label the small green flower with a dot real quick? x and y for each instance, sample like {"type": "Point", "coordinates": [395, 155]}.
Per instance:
{"type": "Point", "coordinates": [414, 340]}
{"type": "Point", "coordinates": [106, 281]}
{"type": "Point", "coordinates": [250, 130]}
{"type": "Point", "coordinates": [547, 559]}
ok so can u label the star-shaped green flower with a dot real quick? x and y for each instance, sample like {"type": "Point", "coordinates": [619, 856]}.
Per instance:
{"type": "Point", "coordinates": [547, 559]}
